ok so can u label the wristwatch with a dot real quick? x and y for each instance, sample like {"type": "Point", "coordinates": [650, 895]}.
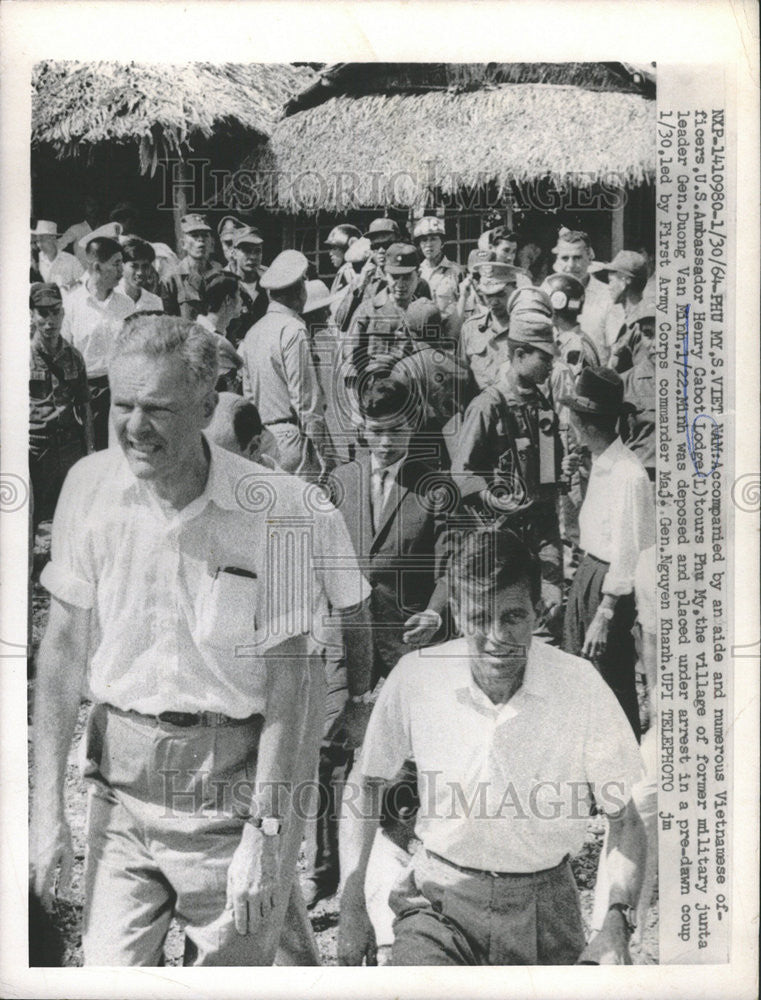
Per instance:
{"type": "Point", "coordinates": [628, 913]}
{"type": "Point", "coordinates": [269, 825]}
{"type": "Point", "coordinates": [361, 699]}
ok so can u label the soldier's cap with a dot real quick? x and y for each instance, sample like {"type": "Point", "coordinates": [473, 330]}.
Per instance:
{"type": "Point", "coordinates": [247, 234]}
{"type": "Point", "coordinates": [496, 276]}
{"type": "Point", "coordinates": [228, 223]}
{"type": "Point", "coordinates": [532, 329]}
{"type": "Point", "coordinates": [481, 255]}
{"type": "Point", "coordinates": [564, 292]}
{"type": "Point", "coordinates": [529, 299]}
{"type": "Point", "coordinates": [194, 222]}
{"type": "Point", "coordinates": [494, 236]}
{"type": "Point", "coordinates": [44, 293]}
{"type": "Point", "coordinates": [319, 297]}
{"type": "Point", "coordinates": [111, 231]}
{"type": "Point", "coordinates": [429, 225]}
{"type": "Point", "coordinates": [359, 251]}
{"type": "Point", "coordinates": [45, 228]}
{"type": "Point", "coordinates": [341, 236]}
{"type": "Point", "coordinates": [382, 227]}
{"type": "Point", "coordinates": [285, 270]}
{"type": "Point", "coordinates": [597, 390]}
{"type": "Point", "coordinates": [627, 262]}
{"type": "Point", "coordinates": [423, 320]}
{"type": "Point", "coordinates": [401, 258]}
{"type": "Point", "coordinates": [570, 238]}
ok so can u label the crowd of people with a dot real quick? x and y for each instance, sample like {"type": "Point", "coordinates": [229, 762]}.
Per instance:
{"type": "Point", "coordinates": [453, 655]}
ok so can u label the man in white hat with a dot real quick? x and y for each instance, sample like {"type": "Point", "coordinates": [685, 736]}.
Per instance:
{"type": "Point", "coordinates": [279, 373]}
{"type": "Point", "coordinates": [598, 319]}
{"type": "Point", "coordinates": [442, 274]}
{"type": "Point", "coordinates": [55, 266]}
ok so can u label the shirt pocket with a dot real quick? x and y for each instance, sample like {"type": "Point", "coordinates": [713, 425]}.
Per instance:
{"type": "Point", "coordinates": [229, 615]}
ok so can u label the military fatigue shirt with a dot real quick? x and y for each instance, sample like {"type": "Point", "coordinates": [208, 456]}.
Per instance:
{"type": "Point", "coordinates": [183, 290]}
{"type": "Point", "coordinates": [509, 438]}
{"type": "Point", "coordinates": [483, 347]}
{"type": "Point", "coordinates": [58, 394]}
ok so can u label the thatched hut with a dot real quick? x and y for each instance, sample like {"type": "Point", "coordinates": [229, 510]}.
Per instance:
{"type": "Point", "coordinates": [551, 144]}
{"type": "Point", "coordinates": [150, 134]}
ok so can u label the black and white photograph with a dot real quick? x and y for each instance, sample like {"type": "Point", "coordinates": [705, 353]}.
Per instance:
{"type": "Point", "coordinates": [379, 514]}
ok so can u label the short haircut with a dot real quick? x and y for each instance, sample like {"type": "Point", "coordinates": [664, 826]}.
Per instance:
{"type": "Point", "coordinates": [101, 249]}
{"type": "Point", "coordinates": [247, 422]}
{"type": "Point", "coordinates": [575, 236]}
{"type": "Point", "coordinates": [489, 558]}
{"type": "Point", "coordinates": [382, 396]}
{"type": "Point", "coordinates": [135, 249]}
{"type": "Point", "coordinates": [158, 336]}
{"type": "Point", "coordinates": [216, 289]}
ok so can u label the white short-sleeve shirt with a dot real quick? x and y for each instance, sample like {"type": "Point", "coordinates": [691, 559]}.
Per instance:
{"type": "Point", "coordinates": [503, 788]}
{"type": "Point", "coordinates": [186, 608]}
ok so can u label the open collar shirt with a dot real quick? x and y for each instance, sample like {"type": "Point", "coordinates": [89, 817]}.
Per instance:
{"type": "Point", "coordinates": [617, 518]}
{"type": "Point", "coordinates": [186, 607]}
{"type": "Point", "coordinates": [92, 325]}
{"type": "Point", "coordinates": [503, 788]}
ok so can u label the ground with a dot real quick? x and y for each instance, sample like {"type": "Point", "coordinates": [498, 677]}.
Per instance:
{"type": "Point", "coordinates": [64, 936]}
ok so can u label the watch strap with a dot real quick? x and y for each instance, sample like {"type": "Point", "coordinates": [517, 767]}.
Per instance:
{"type": "Point", "coordinates": [628, 913]}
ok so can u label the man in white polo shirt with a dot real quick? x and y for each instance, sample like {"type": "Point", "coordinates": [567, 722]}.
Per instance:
{"type": "Point", "coordinates": [94, 312]}
{"type": "Point", "coordinates": [510, 737]}
{"type": "Point", "coordinates": [179, 607]}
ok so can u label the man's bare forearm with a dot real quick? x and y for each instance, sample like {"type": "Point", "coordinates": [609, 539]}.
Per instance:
{"type": "Point", "coordinates": [61, 665]}
{"type": "Point", "coordinates": [627, 852]}
{"type": "Point", "coordinates": [360, 816]}
{"type": "Point", "coordinates": [295, 700]}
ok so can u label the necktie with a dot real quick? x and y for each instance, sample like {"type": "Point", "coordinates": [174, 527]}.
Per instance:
{"type": "Point", "coordinates": [379, 483]}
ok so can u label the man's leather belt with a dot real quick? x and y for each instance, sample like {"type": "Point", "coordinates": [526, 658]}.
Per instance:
{"type": "Point", "coordinates": [188, 720]}
{"type": "Point", "coordinates": [282, 420]}
{"type": "Point", "coordinates": [481, 873]}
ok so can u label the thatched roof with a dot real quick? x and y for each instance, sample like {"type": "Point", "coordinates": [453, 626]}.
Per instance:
{"type": "Point", "coordinates": [162, 108]}
{"type": "Point", "coordinates": [357, 79]}
{"type": "Point", "coordinates": [346, 152]}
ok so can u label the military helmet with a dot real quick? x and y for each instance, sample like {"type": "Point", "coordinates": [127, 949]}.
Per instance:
{"type": "Point", "coordinates": [565, 292]}
{"type": "Point", "coordinates": [341, 236]}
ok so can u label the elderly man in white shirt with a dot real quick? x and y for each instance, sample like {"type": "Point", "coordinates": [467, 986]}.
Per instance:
{"type": "Point", "coordinates": [56, 266]}
{"type": "Point", "coordinates": [511, 737]}
{"type": "Point", "coordinates": [179, 608]}
{"type": "Point", "coordinates": [94, 312]}
{"type": "Point", "coordinates": [616, 522]}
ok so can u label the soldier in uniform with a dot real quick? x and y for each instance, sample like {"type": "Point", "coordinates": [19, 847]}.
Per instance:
{"type": "Point", "coordinates": [508, 457]}
{"type": "Point", "coordinates": [483, 338]}
{"type": "Point", "coordinates": [379, 324]}
{"type": "Point", "coordinates": [182, 291]}
{"type": "Point", "coordinates": [279, 374]}
{"type": "Point", "coordinates": [60, 420]}
{"type": "Point", "coordinates": [575, 350]}
{"type": "Point", "coordinates": [340, 238]}
{"type": "Point", "coordinates": [226, 231]}
{"type": "Point", "coordinates": [599, 319]}
{"type": "Point", "coordinates": [626, 278]}
{"type": "Point", "coordinates": [442, 275]}
{"type": "Point", "coordinates": [247, 257]}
